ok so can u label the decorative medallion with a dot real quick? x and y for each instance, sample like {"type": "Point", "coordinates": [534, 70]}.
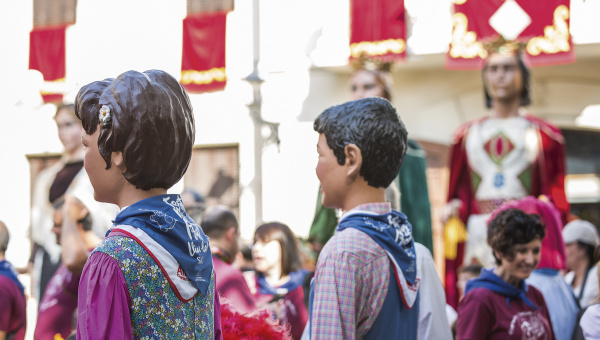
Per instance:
{"type": "Point", "coordinates": [498, 147]}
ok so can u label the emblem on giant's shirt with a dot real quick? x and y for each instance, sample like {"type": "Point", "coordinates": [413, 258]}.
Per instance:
{"type": "Point", "coordinates": [498, 147]}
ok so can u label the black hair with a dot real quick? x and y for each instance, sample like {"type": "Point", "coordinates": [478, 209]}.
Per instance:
{"type": "Point", "coordinates": [151, 122]}
{"type": "Point", "coordinates": [217, 221]}
{"type": "Point", "coordinates": [525, 93]}
{"type": "Point", "coordinates": [511, 227]}
{"type": "Point", "coordinates": [373, 125]}
{"type": "Point", "coordinates": [589, 252]}
{"type": "Point", "coordinates": [474, 269]}
{"type": "Point", "coordinates": [86, 222]}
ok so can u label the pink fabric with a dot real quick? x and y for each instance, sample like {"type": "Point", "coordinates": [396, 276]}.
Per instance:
{"type": "Point", "coordinates": [58, 306]}
{"type": "Point", "coordinates": [483, 314]}
{"type": "Point", "coordinates": [230, 284]}
{"type": "Point", "coordinates": [103, 306]}
{"type": "Point", "coordinates": [12, 310]}
{"type": "Point", "coordinates": [553, 247]}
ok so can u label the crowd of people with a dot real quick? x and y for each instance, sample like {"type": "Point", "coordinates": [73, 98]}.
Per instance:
{"type": "Point", "coordinates": [167, 266]}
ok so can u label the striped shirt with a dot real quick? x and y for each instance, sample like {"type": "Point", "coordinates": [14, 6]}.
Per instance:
{"type": "Point", "coordinates": [351, 282]}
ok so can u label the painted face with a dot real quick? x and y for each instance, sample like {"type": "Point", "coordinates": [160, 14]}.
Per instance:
{"type": "Point", "coordinates": [526, 258]}
{"type": "Point", "coordinates": [266, 255]}
{"type": "Point", "coordinates": [107, 184]}
{"type": "Point", "coordinates": [330, 174]}
{"type": "Point", "coordinates": [503, 77]}
{"type": "Point", "coordinates": [57, 219]}
{"type": "Point", "coordinates": [69, 130]}
{"type": "Point", "coordinates": [364, 84]}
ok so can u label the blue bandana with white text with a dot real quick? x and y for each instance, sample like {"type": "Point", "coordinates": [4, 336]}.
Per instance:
{"type": "Point", "coordinates": [164, 219]}
{"type": "Point", "coordinates": [390, 231]}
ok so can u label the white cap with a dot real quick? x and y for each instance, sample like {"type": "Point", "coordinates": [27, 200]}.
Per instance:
{"type": "Point", "coordinates": [582, 231]}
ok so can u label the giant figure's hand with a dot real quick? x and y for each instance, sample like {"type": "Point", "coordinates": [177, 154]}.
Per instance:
{"type": "Point", "coordinates": [452, 208]}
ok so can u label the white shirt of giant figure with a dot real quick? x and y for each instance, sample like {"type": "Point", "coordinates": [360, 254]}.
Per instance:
{"type": "Point", "coordinates": [500, 150]}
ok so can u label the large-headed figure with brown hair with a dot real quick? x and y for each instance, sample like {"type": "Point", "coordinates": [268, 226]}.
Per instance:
{"type": "Point", "coordinates": [408, 192]}
{"type": "Point", "coordinates": [153, 274]}
{"type": "Point", "coordinates": [508, 154]}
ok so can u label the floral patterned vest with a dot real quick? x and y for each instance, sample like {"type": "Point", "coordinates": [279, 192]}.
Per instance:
{"type": "Point", "coordinates": [156, 311]}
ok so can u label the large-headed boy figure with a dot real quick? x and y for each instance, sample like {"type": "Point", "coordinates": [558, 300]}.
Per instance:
{"type": "Point", "coordinates": [153, 274]}
{"type": "Point", "coordinates": [366, 281]}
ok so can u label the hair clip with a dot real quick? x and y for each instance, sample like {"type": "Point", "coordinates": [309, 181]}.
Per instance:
{"type": "Point", "coordinates": [104, 116]}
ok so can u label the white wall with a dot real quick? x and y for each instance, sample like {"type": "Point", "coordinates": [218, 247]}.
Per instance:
{"type": "Point", "coordinates": [297, 39]}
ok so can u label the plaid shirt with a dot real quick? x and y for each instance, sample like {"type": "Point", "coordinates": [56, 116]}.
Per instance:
{"type": "Point", "coordinates": [351, 282]}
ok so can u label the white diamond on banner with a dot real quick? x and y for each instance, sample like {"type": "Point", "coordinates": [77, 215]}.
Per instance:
{"type": "Point", "coordinates": [510, 20]}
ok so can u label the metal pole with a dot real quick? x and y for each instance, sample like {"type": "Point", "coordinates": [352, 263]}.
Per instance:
{"type": "Point", "coordinates": [255, 113]}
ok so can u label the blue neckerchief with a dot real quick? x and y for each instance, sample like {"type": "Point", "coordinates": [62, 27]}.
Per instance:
{"type": "Point", "coordinates": [489, 280]}
{"type": "Point", "coordinates": [164, 219]}
{"type": "Point", "coordinates": [9, 271]}
{"type": "Point", "coordinates": [295, 281]}
{"type": "Point", "coordinates": [392, 232]}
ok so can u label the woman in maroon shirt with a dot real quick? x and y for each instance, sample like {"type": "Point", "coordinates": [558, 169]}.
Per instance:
{"type": "Point", "coordinates": [499, 304]}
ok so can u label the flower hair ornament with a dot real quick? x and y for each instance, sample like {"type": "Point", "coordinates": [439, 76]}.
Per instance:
{"type": "Point", "coordinates": [104, 116]}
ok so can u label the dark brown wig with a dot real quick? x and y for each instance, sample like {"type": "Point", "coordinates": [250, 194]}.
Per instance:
{"type": "Point", "coordinates": [151, 122]}
{"type": "Point", "coordinates": [373, 125]}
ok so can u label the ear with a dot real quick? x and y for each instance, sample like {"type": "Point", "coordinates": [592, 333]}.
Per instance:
{"type": "Point", "coordinates": [230, 234]}
{"type": "Point", "coordinates": [498, 255]}
{"type": "Point", "coordinates": [116, 158]}
{"type": "Point", "coordinates": [353, 160]}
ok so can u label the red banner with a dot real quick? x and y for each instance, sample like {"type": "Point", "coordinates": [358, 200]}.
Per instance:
{"type": "Point", "coordinates": [542, 25]}
{"type": "Point", "coordinates": [378, 29]}
{"type": "Point", "coordinates": [203, 59]}
{"type": "Point", "coordinates": [47, 55]}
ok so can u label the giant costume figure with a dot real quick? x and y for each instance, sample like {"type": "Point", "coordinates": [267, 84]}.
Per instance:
{"type": "Point", "coordinates": [152, 277]}
{"type": "Point", "coordinates": [506, 155]}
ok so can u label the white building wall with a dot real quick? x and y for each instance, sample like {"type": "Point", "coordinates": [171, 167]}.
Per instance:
{"type": "Point", "coordinates": [303, 58]}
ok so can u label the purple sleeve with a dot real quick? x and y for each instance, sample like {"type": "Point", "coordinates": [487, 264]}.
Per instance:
{"type": "Point", "coordinates": [474, 317]}
{"type": "Point", "coordinates": [103, 303]}
{"type": "Point", "coordinates": [217, 318]}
